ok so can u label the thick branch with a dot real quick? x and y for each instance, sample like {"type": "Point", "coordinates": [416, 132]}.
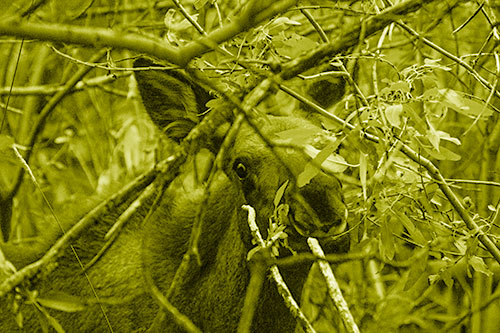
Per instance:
{"type": "Point", "coordinates": [99, 37]}
{"type": "Point", "coordinates": [89, 36]}
{"type": "Point", "coordinates": [350, 38]}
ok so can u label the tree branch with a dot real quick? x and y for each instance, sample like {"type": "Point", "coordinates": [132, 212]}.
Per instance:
{"type": "Point", "coordinates": [350, 38]}
{"type": "Point", "coordinates": [99, 37]}
{"type": "Point", "coordinates": [50, 89]}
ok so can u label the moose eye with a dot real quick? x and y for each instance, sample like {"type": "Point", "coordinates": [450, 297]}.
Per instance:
{"type": "Point", "coordinates": [240, 169]}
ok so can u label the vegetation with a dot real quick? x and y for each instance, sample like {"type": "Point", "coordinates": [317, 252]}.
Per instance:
{"type": "Point", "coordinates": [414, 139]}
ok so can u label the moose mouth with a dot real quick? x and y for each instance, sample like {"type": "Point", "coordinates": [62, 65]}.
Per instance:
{"type": "Point", "coordinates": [318, 219]}
{"type": "Point", "coordinates": [332, 235]}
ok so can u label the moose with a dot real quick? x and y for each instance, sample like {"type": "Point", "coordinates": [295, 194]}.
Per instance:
{"type": "Point", "coordinates": [212, 296]}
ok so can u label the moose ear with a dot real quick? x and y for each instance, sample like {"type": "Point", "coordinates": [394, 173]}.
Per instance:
{"type": "Point", "coordinates": [171, 98]}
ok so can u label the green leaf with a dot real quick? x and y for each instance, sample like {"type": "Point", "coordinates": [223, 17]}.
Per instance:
{"type": "Point", "coordinates": [417, 121]}
{"type": "Point", "coordinates": [332, 163]}
{"type": "Point", "coordinates": [310, 171]}
{"type": "Point", "coordinates": [446, 276]}
{"type": "Point", "coordinates": [45, 319]}
{"type": "Point", "coordinates": [479, 265]}
{"type": "Point", "coordinates": [280, 24]}
{"type": "Point", "coordinates": [444, 154]}
{"type": "Point", "coordinates": [477, 109]}
{"type": "Point", "coordinates": [198, 4]}
{"type": "Point", "coordinates": [400, 86]}
{"type": "Point", "coordinates": [298, 136]}
{"type": "Point", "coordinates": [62, 302]}
{"type": "Point", "coordinates": [279, 194]}
{"type": "Point", "coordinates": [393, 114]}
{"type": "Point", "coordinates": [433, 136]}
{"type": "Point", "coordinates": [413, 231]}
{"type": "Point", "coordinates": [386, 245]}
{"type": "Point", "coordinates": [54, 323]}
{"type": "Point", "coordinates": [293, 45]}
{"type": "Point", "coordinates": [459, 102]}
{"type": "Point", "coordinates": [417, 269]}
{"type": "Point", "coordinates": [434, 63]}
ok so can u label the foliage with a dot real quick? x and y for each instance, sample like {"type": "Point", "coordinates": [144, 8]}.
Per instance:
{"type": "Point", "coordinates": [433, 90]}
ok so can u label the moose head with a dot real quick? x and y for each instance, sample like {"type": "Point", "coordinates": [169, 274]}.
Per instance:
{"type": "Point", "coordinates": [255, 167]}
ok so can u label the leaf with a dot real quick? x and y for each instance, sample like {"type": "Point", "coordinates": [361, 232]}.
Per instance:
{"type": "Point", "coordinates": [326, 158]}
{"type": "Point", "coordinates": [332, 163]}
{"type": "Point", "coordinates": [418, 122]}
{"type": "Point", "coordinates": [400, 86]}
{"type": "Point", "coordinates": [393, 114]}
{"type": "Point", "coordinates": [294, 45]}
{"type": "Point", "coordinates": [479, 265]}
{"type": "Point", "coordinates": [45, 318]}
{"type": "Point", "coordinates": [413, 231]}
{"type": "Point", "coordinates": [434, 63]}
{"type": "Point", "coordinates": [310, 171]}
{"type": "Point", "coordinates": [280, 24]}
{"type": "Point", "coordinates": [417, 268]}
{"type": "Point", "coordinates": [198, 4]}
{"type": "Point", "coordinates": [298, 136]}
{"type": "Point", "coordinates": [460, 102]}
{"type": "Point", "coordinates": [386, 245]}
{"type": "Point", "coordinates": [447, 137]}
{"type": "Point", "coordinates": [279, 194]}
{"type": "Point", "coordinates": [477, 109]}
{"type": "Point", "coordinates": [63, 302]}
{"type": "Point", "coordinates": [433, 136]}
{"type": "Point", "coordinates": [363, 162]}
{"type": "Point", "coordinates": [54, 323]}
{"type": "Point", "coordinates": [443, 154]}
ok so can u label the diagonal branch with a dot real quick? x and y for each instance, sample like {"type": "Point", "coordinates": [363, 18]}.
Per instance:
{"type": "Point", "coordinates": [255, 12]}
{"type": "Point", "coordinates": [351, 37]}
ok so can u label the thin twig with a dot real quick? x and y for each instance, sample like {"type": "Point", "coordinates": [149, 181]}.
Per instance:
{"type": "Point", "coordinates": [276, 275]}
{"type": "Point", "coordinates": [51, 89]}
{"type": "Point", "coordinates": [181, 319]}
{"type": "Point", "coordinates": [114, 231]}
{"type": "Point", "coordinates": [189, 17]}
{"type": "Point", "coordinates": [451, 56]}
